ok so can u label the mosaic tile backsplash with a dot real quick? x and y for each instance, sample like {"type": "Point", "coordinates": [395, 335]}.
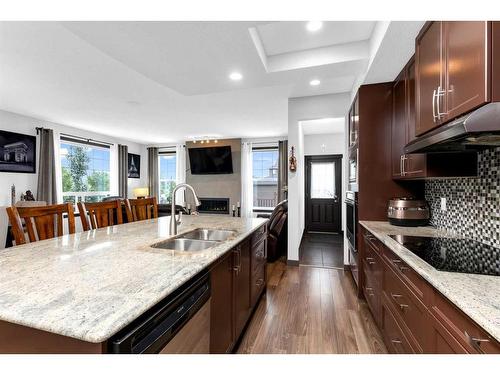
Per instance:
{"type": "Point", "coordinates": [473, 204]}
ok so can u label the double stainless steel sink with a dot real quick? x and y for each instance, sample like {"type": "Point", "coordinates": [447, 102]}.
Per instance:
{"type": "Point", "coordinates": [196, 240]}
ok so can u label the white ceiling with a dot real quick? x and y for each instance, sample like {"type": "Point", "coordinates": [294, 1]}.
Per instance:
{"type": "Point", "coordinates": [284, 37]}
{"type": "Point", "coordinates": [323, 126]}
{"type": "Point", "coordinates": [163, 82]}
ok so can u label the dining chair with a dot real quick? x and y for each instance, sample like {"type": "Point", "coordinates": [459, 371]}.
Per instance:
{"type": "Point", "coordinates": [100, 214]}
{"type": "Point", "coordinates": [41, 222]}
{"type": "Point", "coordinates": [141, 209]}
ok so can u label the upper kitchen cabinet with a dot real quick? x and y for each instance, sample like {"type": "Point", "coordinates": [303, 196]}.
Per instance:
{"type": "Point", "coordinates": [429, 65]}
{"type": "Point", "coordinates": [403, 126]}
{"type": "Point", "coordinates": [419, 166]}
{"type": "Point", "coordinates": [453, 64]}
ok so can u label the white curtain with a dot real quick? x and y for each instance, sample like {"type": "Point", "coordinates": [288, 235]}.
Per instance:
{"type": "Point", "coordinates": [180, 172]}
{"type": "Point", "coordinates": [246, 180]}
{"type": "Point", "coordinates": [113, 169]}
{"type": "Point", "coordinates": [58, 168]}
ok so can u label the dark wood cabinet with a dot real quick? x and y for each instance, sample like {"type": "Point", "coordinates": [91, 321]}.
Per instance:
{"type": "Point", "coordinates": [429, 66]}
{"type": "Point", "coordinates": [405, 166]}
{"type": "Point", "coordinates": [419, 166]}
{"type": "Point", "coordinates": [399, 124]}
{"type": "Point", "coordinates": [467, 78]}
{"type": "Point", "coordinates": [453, 71]}
{"type": "Point", "coordinates": [238, 281]}
{"type": "Point", "coordinates": [412, 315]}
{"type": "Point", "coordinates": [241, 282]}
{"type": "Point", "coordinates": [258, 265]}
{"type": "Point", "coordinates": [221, 315]}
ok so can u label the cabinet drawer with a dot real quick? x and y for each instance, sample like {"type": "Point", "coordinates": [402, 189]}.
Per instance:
{"type": "Point", "coordinates": [257, 283]}
{"type": "Point", "coordinates": [407, 307]}
{"type": "Point", "coordinates": [414, 282]}
{"type": "Point", "coordinates": [393, 334]}
{"type": "Point", "coordinates": [373, 242]}
{"type": "Point", "coordinates": [473, 338]}
{"type": "Point", "coordinates": [259, 235]}
{"type": "Point", "coordinates": [259, 255]}
{"type": "Point", "coordinates": [372, 293]}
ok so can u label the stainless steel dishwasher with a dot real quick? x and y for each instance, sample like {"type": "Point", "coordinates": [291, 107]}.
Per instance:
{"type": "Point", "coordinates": [178, 325]}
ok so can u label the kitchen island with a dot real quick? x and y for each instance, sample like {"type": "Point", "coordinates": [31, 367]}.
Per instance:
{"type": "Point", "coordinates": [72, 293]}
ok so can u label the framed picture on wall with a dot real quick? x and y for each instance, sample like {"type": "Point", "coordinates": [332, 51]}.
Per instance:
{"type": "Point", "coordinates": [134, 166]}
{"type": "Point", "coordinates": [17, 152]}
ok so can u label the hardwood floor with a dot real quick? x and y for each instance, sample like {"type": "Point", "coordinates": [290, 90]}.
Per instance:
{"type": "Point", "coordinates": [322, 250]}
{"type": "Point", "coordinates": [310, 310]}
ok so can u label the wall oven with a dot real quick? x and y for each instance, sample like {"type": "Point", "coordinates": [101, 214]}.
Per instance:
{"type": "Point", "coordinates": [351, 203]}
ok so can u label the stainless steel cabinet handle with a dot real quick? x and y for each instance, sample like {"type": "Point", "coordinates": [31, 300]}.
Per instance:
{"type": "Point", "coordinates": [439, 93]}
{"type": "Point", "coordinates": [404, 160]}
{"type": "Point", "coordinates": [394, 296]}
{"type": "Point", "coordinates": [395, 261]}
{"type": "Point", "coordinates": [237, 266]}
{"type": "Point", "coordinates": [403, 306]}
{"type": "Point", "coordinates": [434, 105]}
{"type": "Point", "coordinates": [396, 341]}
{"type": "Point", "coordinates": [475, 342]}
{"type": "Point", "coordinates": [370, 260]}
{"type": "Point", "coordinates": [401, 165]}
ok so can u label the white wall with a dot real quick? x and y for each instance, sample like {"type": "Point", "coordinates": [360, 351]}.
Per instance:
{"type": "Point", "coordinates": [14, 122]}
{"type": "Point", "coordinates": [301, 109]}
{"type": "Point", "coordinates": [333, 144]}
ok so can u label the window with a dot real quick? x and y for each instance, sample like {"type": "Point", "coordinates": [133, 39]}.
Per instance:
{"type": "Point", "coordinates": [168, 161]}
{"type": "Point", "coordinates": [265, 177]}
{"type": "Point", "coordinates": [323, 180]}
{"type": "Point", "coordinates": [85, 171]}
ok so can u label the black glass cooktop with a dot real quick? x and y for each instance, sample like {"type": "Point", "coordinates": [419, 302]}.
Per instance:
{"type": "Point", "coordinates": [454, 254]}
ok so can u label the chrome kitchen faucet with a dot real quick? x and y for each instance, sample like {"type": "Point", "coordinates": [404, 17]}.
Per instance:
{"type": "Point", "coordinates": [173, 219]}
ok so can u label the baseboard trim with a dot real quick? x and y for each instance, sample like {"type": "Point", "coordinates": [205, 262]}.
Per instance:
{"type": "Point", "coordinates": [294, 263]}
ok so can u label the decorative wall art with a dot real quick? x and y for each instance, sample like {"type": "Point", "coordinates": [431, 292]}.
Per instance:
{"type": "Point", "coordinates": [17, 152]}
{"type": "Point", "coordinates": [134, 166]}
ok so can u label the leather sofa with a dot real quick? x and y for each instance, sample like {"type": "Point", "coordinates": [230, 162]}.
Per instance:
{"type": "Point", "coordinates": [277, 240]}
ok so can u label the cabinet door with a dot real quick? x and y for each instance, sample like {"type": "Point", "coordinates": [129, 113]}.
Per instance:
{"type": "Point", "coordinates": [466, 68]}
{"type": "Point", "coordinates": [414, 164]}
{"type": "Point", "coordinates": [429, 69]}
{"type": "Point", "coordinates": [221, 322]}
{"type": "Point", "coordinates": [399, 125]}
{"type": "Point", "coordinates": [241, 277]}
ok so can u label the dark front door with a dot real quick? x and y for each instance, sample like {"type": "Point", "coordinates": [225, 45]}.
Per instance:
{"type": "Point", "coordinates": [323, 191]}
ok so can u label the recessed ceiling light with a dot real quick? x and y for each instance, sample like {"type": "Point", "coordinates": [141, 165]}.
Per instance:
{"type": "Point", "coordinates": [235, 76]}
{"type": "Point", "coordinates": [315, 82]}
{"type": "Point", "coordinates": [313, 26]}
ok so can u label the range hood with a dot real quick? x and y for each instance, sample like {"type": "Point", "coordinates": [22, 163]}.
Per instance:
{"type": "Point", "coordinates": [478, 129]}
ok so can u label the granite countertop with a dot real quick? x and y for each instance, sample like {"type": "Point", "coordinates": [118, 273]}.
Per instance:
{"type": "Point", "coordinates": [89, 285]}
{"type": "Point", "coordinates": [478, 296]}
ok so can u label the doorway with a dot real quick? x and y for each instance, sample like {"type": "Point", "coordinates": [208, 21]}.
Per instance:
{"type": "Point", "coordinates": [323, 188]}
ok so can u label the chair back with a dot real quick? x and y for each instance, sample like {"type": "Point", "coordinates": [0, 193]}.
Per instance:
{"type": "Point", "coordinates": [42, 222]}
{"type": "Point", "coordinates": [141, 209]}
{"type": "Point", "coordinates": [100, 214]}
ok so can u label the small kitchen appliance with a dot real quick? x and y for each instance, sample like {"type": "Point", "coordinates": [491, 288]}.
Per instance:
{"type": "Point", "coordinates": [408, 212]}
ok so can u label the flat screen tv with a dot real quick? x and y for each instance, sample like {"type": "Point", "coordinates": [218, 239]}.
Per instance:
{"type": "Point", "coordinates": [211, 160]}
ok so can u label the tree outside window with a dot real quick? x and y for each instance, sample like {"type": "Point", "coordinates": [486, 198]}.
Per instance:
{"type": "Point", "coordinates": [85, 172]}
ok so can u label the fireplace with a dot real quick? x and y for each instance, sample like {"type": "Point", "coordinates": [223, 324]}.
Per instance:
{"type": "Point", "coordinates": [214, 206]}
